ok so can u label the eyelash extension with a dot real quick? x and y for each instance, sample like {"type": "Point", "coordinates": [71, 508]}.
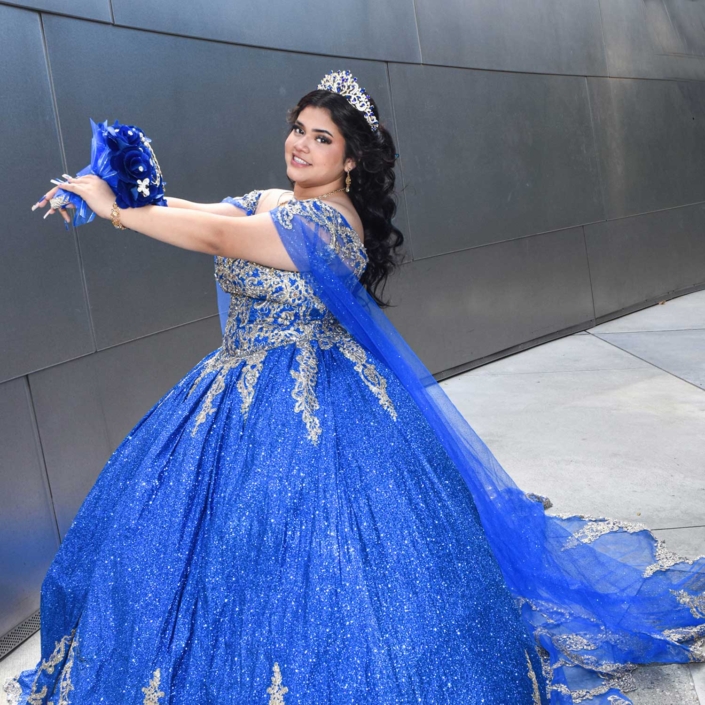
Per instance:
{"type": "Point", "coordinates": [325, 139]}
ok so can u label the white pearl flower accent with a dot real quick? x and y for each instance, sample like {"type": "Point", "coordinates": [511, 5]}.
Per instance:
{"type": "Point", "coordinates": [143, 186]}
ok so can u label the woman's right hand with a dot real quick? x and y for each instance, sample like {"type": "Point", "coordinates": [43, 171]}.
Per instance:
{"type": "Point", "coordinates": [45, 200]}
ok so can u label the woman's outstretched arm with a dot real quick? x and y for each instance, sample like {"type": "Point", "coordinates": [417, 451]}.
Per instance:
{"type": "Point", "coordinates": [221, 208]}
{"type": "Point", "coordinates": [216, 208]}
{"type": "Point", "coordinates": [254, 238]}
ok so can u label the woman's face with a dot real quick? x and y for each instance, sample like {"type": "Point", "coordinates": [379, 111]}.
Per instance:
{"type": "Point", "coordinates": [316, 140]}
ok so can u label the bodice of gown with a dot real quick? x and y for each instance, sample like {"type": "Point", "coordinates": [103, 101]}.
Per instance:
{"type": "Point", "coordinates": [271, 308]}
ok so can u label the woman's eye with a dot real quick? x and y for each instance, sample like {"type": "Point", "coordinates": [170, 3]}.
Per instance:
{"type": "Point", "coordinates": [296, 128]}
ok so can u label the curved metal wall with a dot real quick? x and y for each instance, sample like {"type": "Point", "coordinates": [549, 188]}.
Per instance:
{"type": "Point", "coordinates": [550, 177]}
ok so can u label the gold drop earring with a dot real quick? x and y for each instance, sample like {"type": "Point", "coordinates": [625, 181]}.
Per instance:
{"type": "Point", "coordinates": [348, 181]}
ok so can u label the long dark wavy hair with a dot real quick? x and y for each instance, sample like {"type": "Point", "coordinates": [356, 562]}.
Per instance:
{"type": "Point", "coordinates": [372, 188]}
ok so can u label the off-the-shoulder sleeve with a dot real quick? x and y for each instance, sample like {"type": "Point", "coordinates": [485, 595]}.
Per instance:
{"type": "Point", "coordinates": [248, 202]}
{"type": "Point", "coordinates": [324, 231]}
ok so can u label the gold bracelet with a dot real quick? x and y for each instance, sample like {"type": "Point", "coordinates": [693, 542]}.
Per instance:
{"type": "Point", "coordinates": [115, 217]}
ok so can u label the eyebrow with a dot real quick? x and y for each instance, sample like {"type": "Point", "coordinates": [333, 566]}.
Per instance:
{"type": "Point", "coordinates": [315, 129]}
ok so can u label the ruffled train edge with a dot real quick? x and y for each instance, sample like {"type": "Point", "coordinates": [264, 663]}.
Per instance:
{"type": "Point", "coordinates": [597, 668]}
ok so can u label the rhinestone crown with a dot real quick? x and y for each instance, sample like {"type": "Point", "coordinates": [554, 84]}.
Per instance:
{"type": "Point", "coordinates": [345, 83]}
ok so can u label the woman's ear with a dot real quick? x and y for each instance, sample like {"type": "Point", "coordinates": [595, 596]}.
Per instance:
{"type": "Point", "coordinates": [349, 164]}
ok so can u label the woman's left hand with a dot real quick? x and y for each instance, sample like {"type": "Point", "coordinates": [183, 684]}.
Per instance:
{"type": "Point", "coordinates": [93, 190]}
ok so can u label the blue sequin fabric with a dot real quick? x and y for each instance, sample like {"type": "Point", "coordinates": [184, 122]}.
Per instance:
{"type": "Point", "coordinates": [283, 527]}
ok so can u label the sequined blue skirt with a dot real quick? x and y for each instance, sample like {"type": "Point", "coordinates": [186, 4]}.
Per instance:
{"type": "Point", "coordinates": [275, 544]}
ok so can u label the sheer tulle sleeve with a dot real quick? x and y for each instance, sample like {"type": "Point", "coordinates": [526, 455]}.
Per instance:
{"type": "Point", "coordinates": [334, 237]}
{"type": "Point", "coordinates": [599, 595]}
{"type": "Point", "coordinates": [248, 202]}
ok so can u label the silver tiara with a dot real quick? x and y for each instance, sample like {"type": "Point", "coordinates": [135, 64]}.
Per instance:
{"type": "Point", "coordinates": [345, 83]}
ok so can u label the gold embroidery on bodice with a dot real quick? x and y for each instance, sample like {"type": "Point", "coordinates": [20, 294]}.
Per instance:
{"type": "Point", "coordinates": [270, 308]}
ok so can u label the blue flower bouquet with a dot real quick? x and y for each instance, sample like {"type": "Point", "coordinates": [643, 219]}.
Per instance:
{"type": "Point", "coordinates": [122, 156]}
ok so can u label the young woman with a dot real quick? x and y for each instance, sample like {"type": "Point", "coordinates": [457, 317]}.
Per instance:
{"type": "Point", "coordinates": [305, 518]}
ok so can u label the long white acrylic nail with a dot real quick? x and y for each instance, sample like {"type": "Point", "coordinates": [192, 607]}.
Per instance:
{"type": "Point", "coordinates": [35, 206]}
{"type": "Point", "coordinates": [47, 213]}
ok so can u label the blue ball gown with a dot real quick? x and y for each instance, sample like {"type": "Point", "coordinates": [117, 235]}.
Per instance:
{"type": "Point", "coordinates": [288, 526]}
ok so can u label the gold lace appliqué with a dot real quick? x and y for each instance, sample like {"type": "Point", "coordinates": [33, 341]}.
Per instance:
{"type": "Point", "coordinates": [65, 685]}
{"type": "Point", "coordinates": [595, 527]}
{"type": "Point", "coordinates": [370, 376]}
{"type": "Point", "coordinates": [665, 558]}
{"type": "Point", "coordinates": [304, 391]}
{"type": "Point", "coordinates": [624, 682]}
{"type": "Point", "coordinates": [271, 307]}
{"type": "Point", "coordinates": [534, 681]}
{"type": "Point", "coordinates": [222, 363]}
{"type": "Point", "coordinates": [248, 202]}
{"type": "Point", "coordinates": [152, 694]}
{"type": "Point", "coordinates": [277, 690]}
{"type": "Point", "coordinates": [693, 638]}
{"type": "Point", "coordinates": [304, 388]}
{"type": "Point", "coordinates": [695, 603]}
{"type": "Point", "coordinates": [36, 695]}
{"type": "Point", "coordinates": [617, 675]}
{"type": "Point", "coordinates": [343, 239]}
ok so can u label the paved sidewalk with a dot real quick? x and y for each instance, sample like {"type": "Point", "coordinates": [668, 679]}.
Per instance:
{"type": "Point", "coordinates": [610, 421]}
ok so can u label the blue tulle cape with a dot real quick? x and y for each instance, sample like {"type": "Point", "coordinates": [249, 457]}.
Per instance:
{"type": "Point", "coordinates": [600, 596]}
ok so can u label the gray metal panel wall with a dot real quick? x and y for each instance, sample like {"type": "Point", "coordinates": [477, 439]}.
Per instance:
{"type": "Point", "coordinates": [490, 156]}
{"type": "Point", "coordinates": [28, 536]}
{"type": "Point", "coordinates": [656, 39]}
{"type": "Point", "coordinates": [43, 309]}
{"type": "Point", "coordinates": [650, 136]}
{"type": "Point", "coordinates": [467, 305]}
{"type": "Point", "coordinates": [86, 9]}
{"type": "Point", "coordinates": [550, 36]}
{"type": "Point", "coordinates": [353, 28]}
{"type": "Point", "coordinates": [646, 257]}
{"type": "Point", "coordinates": [549, 177]}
